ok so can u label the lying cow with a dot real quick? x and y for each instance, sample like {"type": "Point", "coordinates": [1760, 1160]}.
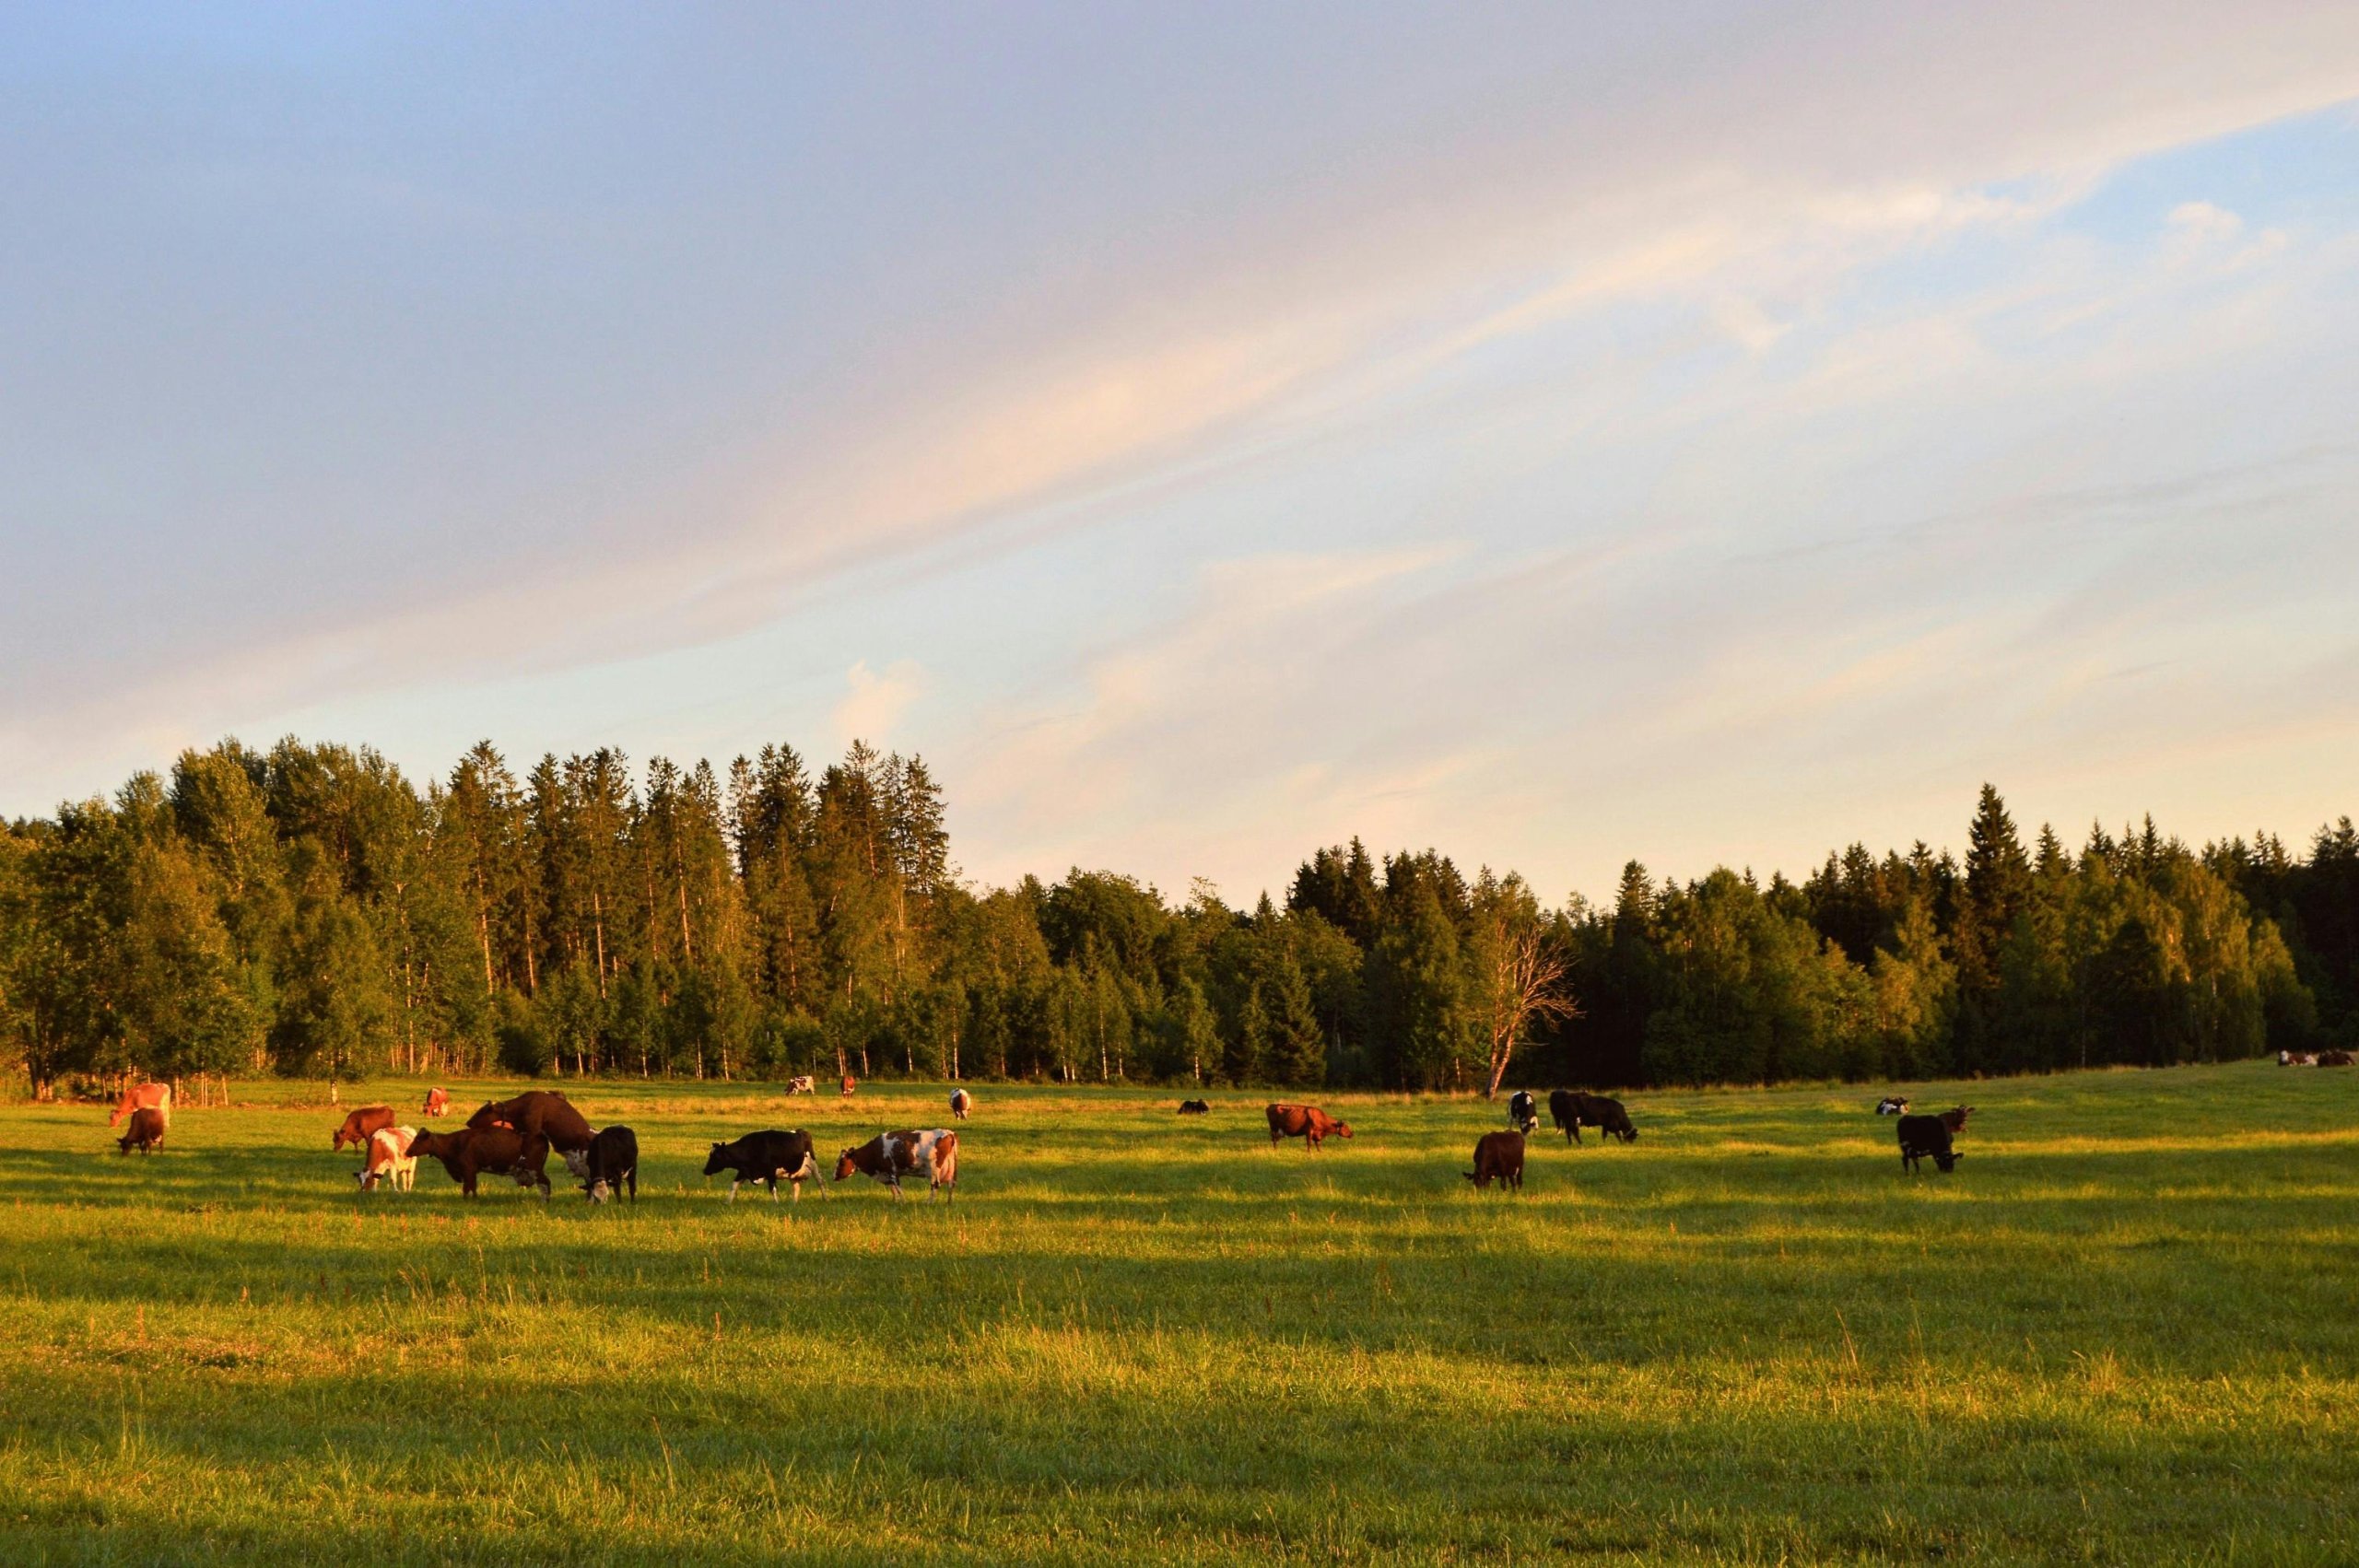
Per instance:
{"type": "Point", "coordinates": [1928, 1135]}
{"type": "Point", "coordinates": [1307, 1123]}
{"type": "Point", "coordinates": [931, 1154]}
{"type": "Point", "coordinates": [437, 1102]}
{"type": "Point", "coordinates": [2333, 1059]}
{"type": "Point", "coordinates": [1194, 1108]}
{"type": "Point", "coordinates": [1523, 1111]}
{"type": "Point", "coordinates": [1571, 1109]}
{"type": "Point", "coordinates": [1893, 1104]}
{"type": "Point", "coordinates": [390, 1160]}
{"type": "Point", "coordinates": [538, 1113]}
{"type": "Point", "coordinates": [136, 1097]}
{"type": "Point", "coordinates": [471, 1151]}
{"type": "Point", "coordinates": [767, 1158]}
{"type": "Point", "coordinates": [805, 1084]}
{"type": "Point", "coordinates": [961, 1102]}
{"type": "Point", "coordinates": [1498, 1156]}
{"type": "Point", "coordinates": [145, 1133]}
{"type": "Point", "coordinates": [363, 1125]}
{"type": "Point", "coordinates": [610, 1162]}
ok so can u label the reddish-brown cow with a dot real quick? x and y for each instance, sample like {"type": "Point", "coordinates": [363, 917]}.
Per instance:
{"type": "Point", "coordinates": [361, 1123]}
{"type": "Point", "coordinates": [1498, 1156]}
{"type": "Point", "coordinates": [1307, 1123]}
{"type": "Point", "coordinates": [437, 1102]}
{"type": "Point", "coordinates": [538, 1113]}
{"type": "Point", "coordinates": [145, 1132]}
{"type": "Point", "coordinates": [471, 1151]}
{"type": "Point", "coordinates": [889, 1156]}
{"type": "Point", "coordinates": [156, 1098]}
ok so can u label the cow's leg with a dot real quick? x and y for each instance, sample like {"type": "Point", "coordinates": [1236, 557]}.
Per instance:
{"type": "Point", "coordinates": [732, 1189]}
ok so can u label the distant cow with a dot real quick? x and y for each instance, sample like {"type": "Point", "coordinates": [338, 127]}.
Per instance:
{"type": "Point", "coordinates": [471, 1151]}
{"type": "Point", "coordinates": [767, 1158]}
{"type": "Point", "coordinates": [1498, 1156]}
{"type": "Point", "coordinates": [1571, 1110]}
{"type": "Point", "coordinates": [437, 1102]}
{"type": "Point", "coordinates": [807, 1084]}
{"type": "Point", "coordinates": [610, 1162]}
{"type": "Point", "coordinates": [145, 1132]}
{"type": "Point", "coordinates": [850, 1084]}
{"type": "Point", "coordinates": [961, 1102]}
{"type": "Point", "coordinates": [1893, 1104]}
{"type": "Point", "coordinates": [390, 1159]}
{"type": "Point", "coordinates": [538, 1113]}
{"type": "Point", "coordinates": [931, 1154]}
{"type": "Point", "coordinates": [1956, 1119]}
{"type": "Point", "coordinates": [2334, 1058]}
{"type": "Point", "coordinates": [1307, 1123]}
{"type": "Point", "coordinates": [156, 1098]}
{"type": "Point", "coordinates": [1194, 1108]}
{"type": "Point", "coordinates": [362, 1123]}
{"type": "Point", "coordinates": [1926, 1135]}
{"type": "Point", "coordinates": [1523, 1111]}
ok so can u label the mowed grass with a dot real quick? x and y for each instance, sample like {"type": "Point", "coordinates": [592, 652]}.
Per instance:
{"type": "Point", "coordinates": [2126, 1331]}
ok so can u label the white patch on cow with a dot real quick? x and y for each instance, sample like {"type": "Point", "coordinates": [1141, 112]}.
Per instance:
{"type": "Point", "coordinates": [578, 1161]}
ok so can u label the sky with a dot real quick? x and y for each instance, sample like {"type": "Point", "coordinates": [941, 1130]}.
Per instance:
{"type": "Point", "coordinates": [1555, 434]}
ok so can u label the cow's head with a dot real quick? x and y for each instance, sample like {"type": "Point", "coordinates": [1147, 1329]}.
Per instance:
{"type": "Point", "coordinates": [1946, 1158]}
{"type": "Point", "coordinates": [1342, 1130]}
{"type": "Point", "coordinates": [846, 1164]}
{"type": "Point", "coordinates": [598, 1190]}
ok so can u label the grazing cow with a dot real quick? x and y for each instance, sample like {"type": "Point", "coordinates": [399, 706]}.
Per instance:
{"type": "Point", "coordinates": [538, 1113]}
{"type": "Point", "coordinates": [156, 1098]}
{"type": "Point", "coordinates": [471, 1151]}
{"type": "Point", "coordinates": [610, 1162]}
{"type": "Point", "coordinates": [437, 1102]}
{"type": "Point", "coordinates": [767, 1158]}
{"type": "Point", "coordinates": [805, 1084]}
{"type": "Point", "coordinates": [1571, 1109]}
{"type": "Point", "coordinates": [2334, 1058]}
{"type": "Point", "coordinates": [850, 1084]}
{"type": "Point", "coordinates": [1893, 1104]}
{"type": "Point", "coordinates": [362, 1124]}
{"type": "Point", "coordinates": [1924, 1135]}
{"type": "Point", "coordinates": [1307, 1123]}
{"type": "Point", "coordinates": [390, 1159]}
{"type": "Point", "coordinates": [961, 1102]}
{"type": "Point", "coordinates": [1194, 1108]}
{"type": "Point", "coordinates": [145, 1132]}
{"type": "Point", "coordinates": [931, 1154]}
{"type": "Point", "coordinates": [1498, 1156]}
{"type": "Point", "coordinates": [1523, 1111]}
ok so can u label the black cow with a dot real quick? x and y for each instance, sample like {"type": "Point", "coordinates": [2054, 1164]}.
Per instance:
{"type": "Point", "coordinates": [1194, 1108]}
{"type": "Point", "coordinates": [768, 1158]}
{"type": "Point", "coordinates": [1928, 1135]}
{"type": "Point", "coordinates": [1523, 1111]}
{"type": "Point", "coordinates": [609, 1164]}
{"type": "Point", "coordinates": [1572, 1110]}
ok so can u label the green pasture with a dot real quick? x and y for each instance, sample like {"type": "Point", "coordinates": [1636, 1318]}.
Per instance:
{"type": "Point", "coordinates": [2126, 1331]}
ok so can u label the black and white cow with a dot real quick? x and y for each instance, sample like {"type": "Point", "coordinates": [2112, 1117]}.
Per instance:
{"type": "Point", "coordinates": [1523, 1112]}
{"type": "Point", "coordinates": [767, 1158]}
{"type": "Point", "coordinates": [609, 1164]}
{"type": "Point", "coordinates": [1893, 1104]}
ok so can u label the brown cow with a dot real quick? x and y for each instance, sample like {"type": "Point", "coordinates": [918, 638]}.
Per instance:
{"type": "Point", "coordinates": [156, 1098]}
{"type": "Point", "coordinates": [146, 1132]}
{"type": "Point", "coordinates": [437, 1102]}
{"type": "Point", "coordinates": [2334, 1058]}
{"type": "Point", "coordinates": [1307, 1123]}
{"type": "Point", "coordinates": [1956, 1119]}
{"type": "Point", "coordinates": [849, 1084]}
{"type": "Point", "coordinates": [538, 1113]}
{"type": "Point", "coordinates": [470, 1151]}
{"type": "Point", "coordinates": [1498, 1156]}
{"type": "Point", "coordinates": [889, 1156]}
{"type": "Point", "coordinates": [361, 1123]}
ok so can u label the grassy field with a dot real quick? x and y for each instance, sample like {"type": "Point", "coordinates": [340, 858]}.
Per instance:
{"type": "Point", "coordinates": [2126, 1331]}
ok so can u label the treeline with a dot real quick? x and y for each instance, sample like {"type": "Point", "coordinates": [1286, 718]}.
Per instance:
{"type": "Point", "coordinates": [309, 910]}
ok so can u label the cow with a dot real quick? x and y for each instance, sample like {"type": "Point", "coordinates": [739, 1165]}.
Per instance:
{"type": "Point", "coordinates": [145, 1132]}
{"type": "Point", "coordinates": [607, 1166]}
{"type": "Point", "coordinates": [538, 1113]}
{"type": "Point", "coordinates": [1523, 1111]}
{"type": "Point", "coordinates": [850, 1084]}
{"type": "Point", "coordinates": [1498, 1156]}
{"type": "Point", "coordinates": [768, 1157]}
{"type": "Point", "coordinates": [1893, 1104]}
{"type": "Point", "coordinates": [1307, 1123]}
{"type": "Point", "coordinates": [390, 1159]}
{"type": "Point", "coordinates": [2334, 1058]}
{"type": "Point", "coordinates": [1926, 1135]}
{"type": "Point", "coordinates": [805, 1084]}
{"type": "Point", "coordinates": [1956, 1119]}
{"type": "Point", "coordinates": [437, 1102]}
{"type": "Point", "coordinates": [1194, 1108]}
{"type": "Point", "coordinates": [156, 1098]}
{"type": "Point", "coordinates": [361, 1124]}
{"type": "Point", "coordinates": [471, 1151]}
{"type": "Point", "coordinates": [931, 1154]}
{"type": "Point", "coordinates": [961, 1102]}
{"type": "Point", "coordinates": [1571, 1110]}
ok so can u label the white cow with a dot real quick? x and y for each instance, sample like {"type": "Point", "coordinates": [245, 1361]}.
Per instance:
{"type": "Point", "coordinates": [390, 1159]}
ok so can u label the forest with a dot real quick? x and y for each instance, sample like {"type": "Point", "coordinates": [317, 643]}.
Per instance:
{"type": "Point", "coordinates": [308, 910]}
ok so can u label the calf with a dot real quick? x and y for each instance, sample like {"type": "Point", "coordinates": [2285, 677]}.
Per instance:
{"type": "Point", "coordinates": [390, 1159]}
{"type": "Point", "coordinates": [145, 1132]}
{"type": "Point", "coordinates": [610, 1162]}
{"type": "Point", "coordinates": [1956, 1119]}
{"type": "Point", "coordinates": [1893, 1104]}
{"type": "Point", "coordinates": [805, 1084]}
{"type": "Point", "coordinates": [1307, 1123]}
{"type": "Point", "coordinates": [471, 1151]}
{"type": "Point", "coordinates": [961, 1102]}
{"type": "Point", "coordinates": [156, 1098]}
{"type": "Point", "coordinates": [363, 1124]}
{"type": "Point", "coordinates": [1926, 1135]}
{"type": "Point", "coordinates": [1523, 1111]}
{"type": "Point", "coordinates": [538, 1113]}
{"type": "Point", "coordinates": [768, 1157]}
{"type": "Point", "coordinates": [437, 1102]}
{"type": "Point", "coordinates": [1571, 1109]}
{"type": "Point", "coordinates": [931, 1154]}
{"type": "Point", "coordinates": [1194, 1108]}
{"type": "Point", "coordinates": [1498, 1156]}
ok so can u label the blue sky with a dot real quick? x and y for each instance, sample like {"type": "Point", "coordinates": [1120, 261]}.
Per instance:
{"type": "Point", "coordinates": [1555, 434]}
